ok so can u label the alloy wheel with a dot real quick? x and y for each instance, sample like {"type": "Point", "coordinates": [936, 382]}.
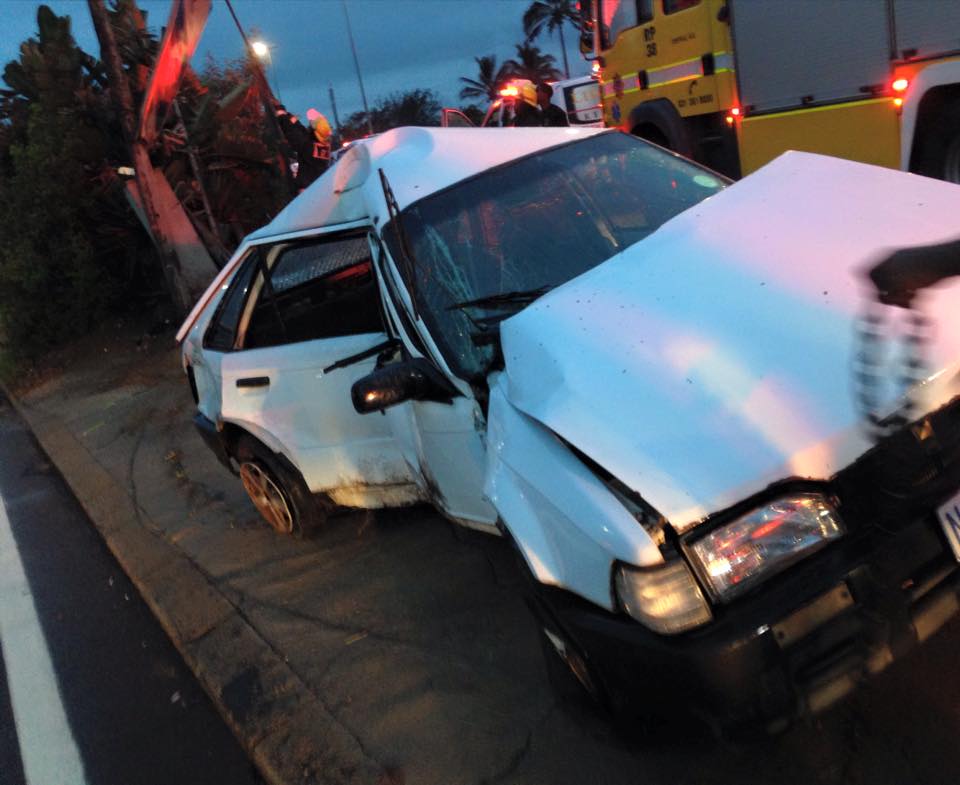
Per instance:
{"type": "Point", "coordinates": [267, 497]}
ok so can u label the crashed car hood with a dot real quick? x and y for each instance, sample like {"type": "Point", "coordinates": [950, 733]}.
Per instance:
{"type": "Point", "coordinates": [715, 356]}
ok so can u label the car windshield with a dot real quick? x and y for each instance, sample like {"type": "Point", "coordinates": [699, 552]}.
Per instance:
{"type": "Point", "coordinates": [486, 247]}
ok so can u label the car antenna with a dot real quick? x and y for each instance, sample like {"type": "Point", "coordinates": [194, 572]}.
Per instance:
{"type": "Point", "coordinates": [394, 210]}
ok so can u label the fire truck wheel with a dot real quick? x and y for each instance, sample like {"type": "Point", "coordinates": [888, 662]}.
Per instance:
{"type": "Point", "coordinates": [938, 154]}
{"type": "Point", "coordinates": [951, 159]}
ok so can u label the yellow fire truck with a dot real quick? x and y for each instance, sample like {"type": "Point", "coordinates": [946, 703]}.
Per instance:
{"type": "Point", "coordinates": [733, 83]}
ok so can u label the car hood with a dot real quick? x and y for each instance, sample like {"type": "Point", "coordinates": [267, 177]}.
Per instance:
{"type": "Point", "coordinates": [715, 356]}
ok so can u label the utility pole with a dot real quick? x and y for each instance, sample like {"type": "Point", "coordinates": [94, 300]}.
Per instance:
{"type": "Point", "coordinates": [123, 102]}
{"type": "Point", "coordinates": [266, 94]}
{"type": "Point", "coordinates": [333, 103]}
{"type": "Point", "coordinates": [356, 64]}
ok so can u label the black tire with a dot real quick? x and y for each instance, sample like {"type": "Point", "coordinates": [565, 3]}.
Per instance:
{"type": "Point", "coordinates": [569, 675]}
{"type": "Point", "coordinates": [278, 490]}
{"type": "Point", "coordinates": [938, 151]}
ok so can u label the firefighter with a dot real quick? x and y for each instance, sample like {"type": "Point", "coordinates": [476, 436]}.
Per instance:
{"type": "Point", "coordinates": [552, 115]}
{"type": "Point", "coordinates": [526, 112]}
{"type": "Point", "coordinates": [903, 273]}
{"type": "Point", "coordinates": [312, 145]}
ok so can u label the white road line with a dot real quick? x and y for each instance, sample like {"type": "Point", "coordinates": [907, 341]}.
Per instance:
{"type": "Point", "coordinates": [47, 747]}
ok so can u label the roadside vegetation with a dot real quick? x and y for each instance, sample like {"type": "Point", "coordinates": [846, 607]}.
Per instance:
{"type": "Point", "coordinates": [74, 251]}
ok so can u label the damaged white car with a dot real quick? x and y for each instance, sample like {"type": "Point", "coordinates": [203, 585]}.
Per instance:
{"type": "Point", "coordinates": [638, 374]}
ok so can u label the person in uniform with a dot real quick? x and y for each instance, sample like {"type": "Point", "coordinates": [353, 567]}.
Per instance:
{"type": "Point", "coordinates": [551, 114]}
{"type": "Point", "coordinates": [312, 145]}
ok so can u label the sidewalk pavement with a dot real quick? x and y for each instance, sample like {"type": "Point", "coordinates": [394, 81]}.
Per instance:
{"type": "Point", "coordinates": [392, 647]}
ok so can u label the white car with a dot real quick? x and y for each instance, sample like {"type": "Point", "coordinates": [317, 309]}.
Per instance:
{"type": "Point", "coordinates": [639, 374]}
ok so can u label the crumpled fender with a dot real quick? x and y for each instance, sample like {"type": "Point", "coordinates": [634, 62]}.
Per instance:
{"type": "Point", "coordinates": [568, 525]}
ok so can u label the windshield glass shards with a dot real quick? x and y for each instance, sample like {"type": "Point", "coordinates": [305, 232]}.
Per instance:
{"type": "Point", "coordinates": [532, 225]}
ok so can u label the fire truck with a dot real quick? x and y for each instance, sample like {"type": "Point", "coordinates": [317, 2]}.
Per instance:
{"type": "Point", "coordinates": [733, 83]}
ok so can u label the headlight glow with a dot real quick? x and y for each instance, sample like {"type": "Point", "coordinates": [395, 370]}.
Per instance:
{"type": "Point", "coordinates": [666, 599]}
{"type": "Point", "coordinates": [735, 557]}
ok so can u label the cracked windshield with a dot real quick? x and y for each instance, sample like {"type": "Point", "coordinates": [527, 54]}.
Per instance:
{"type": "Point", "coordinates": [483, 249]}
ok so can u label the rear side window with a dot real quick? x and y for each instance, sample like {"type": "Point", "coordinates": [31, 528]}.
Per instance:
{"type": "Point", "coordinates": [221, 335]}
{"type": "Point", "coordinates": [319, 289]}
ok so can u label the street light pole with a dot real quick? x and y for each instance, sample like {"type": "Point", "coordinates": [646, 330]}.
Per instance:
{"type": "Point", "coordinates": [333, 103]}
{"type": "Point", "coordinates": [356, 64]}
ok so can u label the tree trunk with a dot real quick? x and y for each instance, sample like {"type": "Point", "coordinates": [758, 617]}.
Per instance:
{"type": "Point", "coordinates": [563, 48]}
{"type": "Point", "coordinates": [178, 289]}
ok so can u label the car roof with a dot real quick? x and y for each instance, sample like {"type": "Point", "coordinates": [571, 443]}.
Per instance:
{"type": "Point", "coordinates": [416, 161]}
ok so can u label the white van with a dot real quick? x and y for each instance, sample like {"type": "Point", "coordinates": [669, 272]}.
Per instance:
{"type": "Point", "coordinates": [580, 99]}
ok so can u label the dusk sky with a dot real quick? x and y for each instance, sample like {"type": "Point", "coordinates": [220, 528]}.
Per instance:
{"type": "Point", "coordinates": [401, 44]}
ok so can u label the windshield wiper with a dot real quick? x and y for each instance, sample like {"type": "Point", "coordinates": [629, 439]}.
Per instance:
{"type": "Point", "coordinates": [519, 297]}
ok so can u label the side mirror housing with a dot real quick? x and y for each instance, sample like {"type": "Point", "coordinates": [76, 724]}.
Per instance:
{"type": "Point", "coordinates": [411, 380]}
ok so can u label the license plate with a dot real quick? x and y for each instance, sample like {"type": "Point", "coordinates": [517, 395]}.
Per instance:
{"type": "Point", "coordinates": [949, 515]}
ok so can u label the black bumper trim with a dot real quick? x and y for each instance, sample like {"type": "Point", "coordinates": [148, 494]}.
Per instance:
{"type": "Point", "coordinates": [213, 439]}
{"type": "Point", "coordinates": [738, 671]}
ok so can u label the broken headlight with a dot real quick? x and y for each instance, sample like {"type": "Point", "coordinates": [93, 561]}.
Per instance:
{"type": "Point", "coordinates": [665, 598]}
{"type": "Point", "coordinates": [740, 554]}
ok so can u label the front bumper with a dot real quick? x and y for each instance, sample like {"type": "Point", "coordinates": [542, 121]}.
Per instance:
{"type": "Point", "coordinates": [794, 647]}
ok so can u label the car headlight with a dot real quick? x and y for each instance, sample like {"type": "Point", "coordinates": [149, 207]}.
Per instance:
{"type": "Point", "coordinates": [735, 557]}
{"type": "Point", "coordinates": [665, 598]}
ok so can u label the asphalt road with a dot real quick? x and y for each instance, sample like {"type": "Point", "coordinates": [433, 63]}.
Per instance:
{"type": "Point", "coordinates": [91, 690]}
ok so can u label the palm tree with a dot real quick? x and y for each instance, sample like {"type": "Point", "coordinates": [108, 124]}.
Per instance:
{"type": "Point", "coordinates": [551, 15]}
{"type": "Point", "coordinates": [487, 85]}
{"type": "Point", "coordinates": [533, 64]}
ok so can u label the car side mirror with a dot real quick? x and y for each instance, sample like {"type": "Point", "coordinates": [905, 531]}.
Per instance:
{"type": "Point", "coordinates": [411, 380]}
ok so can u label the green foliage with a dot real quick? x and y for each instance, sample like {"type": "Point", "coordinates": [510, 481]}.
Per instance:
{"type": "Point", "coordinates": [54, 282]}
{"type": "Point", "coordinates": [411, 107]}
{"type": "Point", "coordinates": [235, 145]}
{"type": "Point", "coordinates": [488, 82]}
{"type": "Point", "coordinates": [70, 243]}
{"type": "Point", "coordinates": [72, 247]}
{"type": "Point", "coordinates": [532, 64]}
{"type": "Point", "coordinates": [551, 16]}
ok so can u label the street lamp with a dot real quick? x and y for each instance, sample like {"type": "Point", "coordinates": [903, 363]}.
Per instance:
{"type": "Point", "coordinates": [262, 52]}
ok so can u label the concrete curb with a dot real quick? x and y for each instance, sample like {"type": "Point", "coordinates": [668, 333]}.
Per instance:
{"type": "Point", "coordinates": [284, 727]}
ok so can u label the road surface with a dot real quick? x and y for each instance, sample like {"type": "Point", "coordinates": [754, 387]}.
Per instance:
{"type": "Point", "coordinates": [91, 690]}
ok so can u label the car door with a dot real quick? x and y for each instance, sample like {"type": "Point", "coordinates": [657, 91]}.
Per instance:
{"type": "Point", "coordinates": [311, 327]}
{"type": "Point", "coordinates": [454, 118]}
{"type": "Point", "coordinates": [444, 442]}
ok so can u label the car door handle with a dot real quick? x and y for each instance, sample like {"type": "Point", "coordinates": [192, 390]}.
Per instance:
{"type": "Point", "coordinates": [254, 381]}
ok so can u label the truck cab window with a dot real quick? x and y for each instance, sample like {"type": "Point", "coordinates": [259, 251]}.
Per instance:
{"type": "Point", "coordinates": [319, 289]}
{"type": "Point", "coordinates": [672, 6]}
{"type": "Point", "coordinates": [619, 15]}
